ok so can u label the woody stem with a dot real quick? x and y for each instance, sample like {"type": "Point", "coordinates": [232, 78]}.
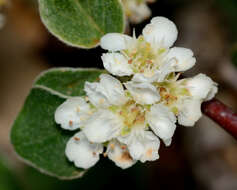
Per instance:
{"type": "Point", "coordinates": [222, 115]}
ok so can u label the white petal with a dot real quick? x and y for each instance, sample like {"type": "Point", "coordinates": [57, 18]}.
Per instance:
{"type": "Point", "coordinates": [145, 147]}
{"type": "Point", "coordinates": [167, 141]}
{"type": "Point", "coordinates": [108, 91]}
{"type": "Point", "coordinates": [102, 126]}
{"type": "Point", "coordinates": [118, 153]}
{"type": "Point", "coordinates": [138, 11]}
{"type": "Point", "coordinates": [143, 93]}
{"type": "Point", "coordinates": [201, 87]}
{"type": "Point", "coordinates": [161, 121]}
{"type": "Point", "coordinates": [189, 112]}
{"type": "Point", "coordinates": [116, 64]}
{"type": "Point", "coordinates": [212, 92]}
{"type": "Point", "coordinates": [115, 41]}
{"type": "Point", "coordinates": [83, 153]}
{"type": "Point", "coordinates": [183, 57]}
{"type": "Point", "coordinates": [112, 89]}
{"type": "Point", "coordinates": [72, 113]}
{"type": "Point", "coordinates": [139, 77]}
{"type": "Point", "coordinates": [96, 97]}
{"type": "Point", "coordinates": [161, 31]}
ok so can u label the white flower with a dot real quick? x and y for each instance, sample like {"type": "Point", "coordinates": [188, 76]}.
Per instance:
{"type": "Point", "coordinates": [136, 10]}
{"type": "Point", "coordinates": [149, 57]}
{"type": "Point", "coordinates": [184, 97]}
{"type": "Point", "coordinates": [201, 88]}
{"type": "Point", "coordinates": [82, 152]}
{"type": "Point", "coordinates": [123, 120]}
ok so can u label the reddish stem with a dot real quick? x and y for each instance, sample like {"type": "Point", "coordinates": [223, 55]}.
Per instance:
{"type": "Point", "coordinates": [222, 115]}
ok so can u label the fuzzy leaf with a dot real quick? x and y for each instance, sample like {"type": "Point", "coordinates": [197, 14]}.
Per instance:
{"type": "Point", "coordinates": [68, 81]}
{"type": "Point", "coordinates": [37, 139]}
{"type": "Point", "coordinates": [81, 23]}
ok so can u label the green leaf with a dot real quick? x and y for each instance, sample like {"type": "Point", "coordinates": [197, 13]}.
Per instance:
{"type": "Point", "coordinates": [68, 81]}
{"type": "Point", "coordinates": [38, 139]}
{"type": "Point", "coordinates": [81, 23]}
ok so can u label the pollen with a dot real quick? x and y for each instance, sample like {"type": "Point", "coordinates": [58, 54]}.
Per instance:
{"type": "Point", "coordinates": [125, 157]}
{"type": "Point", "coordinates": [70, 123]}
{"type": "Point", "coordinates": [112, 146]}
{"type": "Point", "coordinates": [149, 153]}
{"type": "Point", "coordinates": [76, 139]}
{"type": "Point", "coordinates": [123, 147]}
{"type": "Point", "coordinates": [101, 101]}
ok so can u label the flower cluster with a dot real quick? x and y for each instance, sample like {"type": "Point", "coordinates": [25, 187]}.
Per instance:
{"type": "Point", "coordinates": [129, 112]}
{"type": "Point", "coordinates": [137, 10]}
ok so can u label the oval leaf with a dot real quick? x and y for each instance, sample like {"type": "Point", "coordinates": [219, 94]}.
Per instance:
{"type": "Point", "coordinates": [37, 139]}
{"type": "Point", "coordinates": [81, 23]}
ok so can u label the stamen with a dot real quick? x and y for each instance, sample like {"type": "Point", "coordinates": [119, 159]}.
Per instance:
{"type": "Point", "coordinates": [123, 147]}
{"type": "Point", "coordinates": [76, 139]}
{"type": "Point", "coordinates": [112, 146]}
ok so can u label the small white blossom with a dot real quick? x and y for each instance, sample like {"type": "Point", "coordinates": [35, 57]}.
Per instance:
{"type": "Point", "coordinates": [137, 10]}
{"type": "Point", "coordinates": [149, 57]}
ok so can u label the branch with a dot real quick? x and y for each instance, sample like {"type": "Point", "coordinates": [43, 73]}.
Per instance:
{"type": "Point", "coordinates": [222, 115]}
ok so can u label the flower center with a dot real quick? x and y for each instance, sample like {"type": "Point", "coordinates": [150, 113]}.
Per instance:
{"type": "Point", "coordinates": [171, 92]}
{"type": "Point", "coordinates": [132, 115]}
{"type": "Point", "coordinates": [143, 58]}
